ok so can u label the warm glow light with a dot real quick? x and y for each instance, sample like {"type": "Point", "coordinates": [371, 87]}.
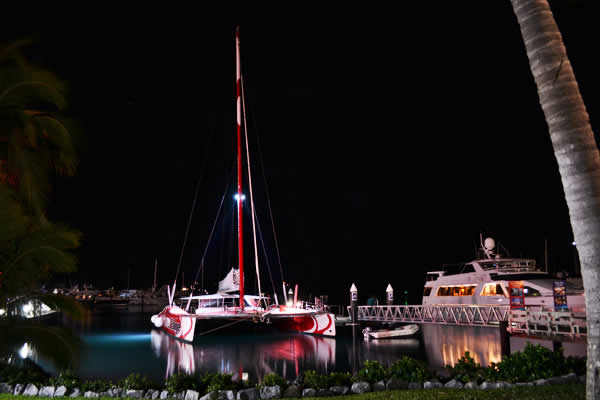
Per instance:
{"type": "Point", "coordinates": [289, 303]}
{"type": "Point", "coordinates": [244, 376]}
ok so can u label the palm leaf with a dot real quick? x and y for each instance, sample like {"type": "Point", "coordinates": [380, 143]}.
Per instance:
{"type": "Point", "coordinates": [52, 343]}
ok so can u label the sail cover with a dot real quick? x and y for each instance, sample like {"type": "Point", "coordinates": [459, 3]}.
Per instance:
{"type": "Point", "coordinates": [231, 283]}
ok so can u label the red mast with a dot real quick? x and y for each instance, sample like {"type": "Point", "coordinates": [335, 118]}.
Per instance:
{"type": "Point", "coordinates": [238, 74]}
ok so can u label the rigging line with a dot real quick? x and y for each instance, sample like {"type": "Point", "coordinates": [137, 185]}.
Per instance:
{"type": "Point", "coordinates": [260, 159]}
{"type": "Point", "coordinates": [224, 326]}
{"type": "Point", "coordinates": [203, 171]}
{"type": "Point", "coordinates": [262, 240]}
{"type": "Point", "coordinates": [250, 186]}
{"type": "Point", "coordinates": [211, 233]}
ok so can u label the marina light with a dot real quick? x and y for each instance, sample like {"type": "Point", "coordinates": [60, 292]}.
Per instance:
{"type": "Point", "coordinates": [244, 376]}
{"type": "Point", "coordinates": [25, 351]}
{"type": "Point", "coordinates": [237, 197]}
{"type": "Point", "coordinates": [2, 311]}
{"type": "Point", "coordinates": [574, 244]}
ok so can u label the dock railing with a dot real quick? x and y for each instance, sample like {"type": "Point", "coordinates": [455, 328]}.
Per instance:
{"type": "Point", "coordinates": [530, 321]}
{"type": "Point", "coordinates": [470, 315]}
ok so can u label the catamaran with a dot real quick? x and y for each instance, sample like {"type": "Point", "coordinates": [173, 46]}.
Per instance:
{"type": "Point", "coordinates": [231, 305]}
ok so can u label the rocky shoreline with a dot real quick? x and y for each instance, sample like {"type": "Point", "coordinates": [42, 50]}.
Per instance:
{"type": "Point", "coordinates": [275, 392]}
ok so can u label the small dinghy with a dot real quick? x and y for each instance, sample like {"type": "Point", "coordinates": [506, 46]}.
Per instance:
{"type": "Point", "coordinates": [399, 331]}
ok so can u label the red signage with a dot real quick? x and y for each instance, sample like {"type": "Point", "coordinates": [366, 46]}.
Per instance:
{"type": "Point", "coordinates": [517, 297]}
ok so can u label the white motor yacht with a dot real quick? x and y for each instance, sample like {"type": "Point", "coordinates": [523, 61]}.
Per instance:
{"type": "Point", "coordinates": [486, 281]}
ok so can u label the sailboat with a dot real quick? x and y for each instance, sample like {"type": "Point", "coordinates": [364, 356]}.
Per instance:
{"type": "Point", "coordinates": [226, 308]}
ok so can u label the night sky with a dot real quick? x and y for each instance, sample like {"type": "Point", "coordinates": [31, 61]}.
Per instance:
{"type": "Point", "coordinates": [390, 139]}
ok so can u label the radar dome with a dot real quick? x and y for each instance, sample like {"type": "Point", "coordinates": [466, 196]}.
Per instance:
{"type": "Point", "coordinates": [489, 244]}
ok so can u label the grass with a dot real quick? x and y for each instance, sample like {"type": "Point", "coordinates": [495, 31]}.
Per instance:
{"type": "Point", "coordinates": [550, 392]}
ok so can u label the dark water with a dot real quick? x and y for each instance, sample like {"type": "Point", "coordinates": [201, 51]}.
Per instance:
{"type": "Point", "coordinates": [117, 344]}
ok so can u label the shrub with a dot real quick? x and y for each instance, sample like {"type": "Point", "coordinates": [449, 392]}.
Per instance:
{"type": "Point", "coordinates": [534, 362]}
{"type": "Point", "coordinates": [339, 379]}
{"type": "Point", "coordinates": [135, 382]}
{"type": "Point", "coordinates": [24, 372]}
{"type": "Point", "coordinates": [95, 386]}
{"type": "Point", "coordinates": [466, 369]}
{"type": "Point", "coordinates": [219, 381]}
{"type": "Point", "coordinates": [274, 380]}
{"type": "Point", "coordinates": [372, 371]}
{"type": "Point", "coordinates": [66, 379]}
{"type": "Point", "coordinates": [312, 379]}
{"type": "Point", "coordinates": [409, 370]}
{"type": "Point", "coordinates": [180, 382]}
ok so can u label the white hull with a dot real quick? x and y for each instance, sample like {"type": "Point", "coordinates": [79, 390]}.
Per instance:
{"type": "Point", "coordinates": [402, 331]}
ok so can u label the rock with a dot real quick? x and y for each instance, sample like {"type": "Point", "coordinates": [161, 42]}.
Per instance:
{"type": "Point", "coordinates": [226, 395]}
{"type": "Point", "coordinates": [324, 393]}
{"type": "Point", "coordinates": [339, 390]}
{"type": "Point", "coordinates": [60, 391]}
{"type": "Point", "coordinates": [91, 395]}
{"type": "Point", "coordinates": [379, 386]}
{"type": "Point", "coordinates": [570, 378]}
{"type": "Point", "coordinates": [524, 384]}
{"type": "Point", "coordinates": [210, 396]}
{"type": "Point", "coordinates": [181, 396]}
{"type": "Point", "coordinates": [431, 385]}
{"type": "Point", "coordinates": [291, 391]}
{"type": "Point", "coordinates": [471, 385]}
{"type": "Point", "coordinates": [454, 384]}
{"type": "Point", "coordinates": [18, 389]}
{"type": "Point", "coordinates": [30, 390]}
{"type": "Point", "coordinates": [248, 394]}
{"type": "Point", "coordinates": [164, 394]}
{"type": "Point", "coordinates": [76, 393]}
{"type": "Point", "coordinates": [503, 385]}
{"type": "Point", "coordinates": [396, 384]}
{"type": "Point", "coordinates": [556, 380]}
{"type": "Point", "coordinates": [117, 391]}
{"type": "Point", "coordinates": [540, 382]}
{"type": "Point", "coordinates": [6, 388]}
{"type": "Point", "coordinates": [191, 395]}
{"type": "Point", "coordinates": [309, 392]}
{"type": "Point", "coordinates": [135, 394]}
{"type": "Point", "coordinates": [270, 392]}
{"type": "Point", "coordinates": [487, 385]}
{"type": "Point", "coordinates": [581, 379]}
{"type": "Point", "coordinates": [360, 387]}
{"type": "Point", "coordinates": [148, 394]}
{"type": "Point", "coordinates": [155, 394]}
{"type": "Point", "coordinates": [415, 385]}
{"type": "Point", "coordinates": [47, 391]}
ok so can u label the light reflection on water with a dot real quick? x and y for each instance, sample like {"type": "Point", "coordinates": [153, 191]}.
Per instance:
{"type": "Point", "coordinates": [116, 345]}
{"type": "Point", "coordinates": [446, 344]}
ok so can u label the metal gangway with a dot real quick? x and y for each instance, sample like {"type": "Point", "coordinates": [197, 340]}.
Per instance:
{"type": "Point", "coordinates": [530, 321]}
{"type": "Point", "coordinates": [463, 314]}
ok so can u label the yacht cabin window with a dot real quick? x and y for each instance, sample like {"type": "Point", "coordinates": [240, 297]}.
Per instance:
{"type": "Point", "coordinates": [531, 292]}
{"type": "Point", "coordinates": [492, 289]}
{"type": "Point", "coordinates": [458, 290]}
{"type": "Point", "coordinates": [426, 291]}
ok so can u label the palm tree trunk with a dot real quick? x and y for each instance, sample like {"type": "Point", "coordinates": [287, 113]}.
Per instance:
{"type": "Point", "coordinates": [576, 153]}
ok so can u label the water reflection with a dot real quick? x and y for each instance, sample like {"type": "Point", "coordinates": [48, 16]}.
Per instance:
{"type": "Point", "coordinates": [446, 344]}
{"type": "Point", "coordinates": [286, 354]}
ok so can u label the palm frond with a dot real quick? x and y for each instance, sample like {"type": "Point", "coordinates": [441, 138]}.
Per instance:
{"type": "Point", "coordinates": [53, 343]}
